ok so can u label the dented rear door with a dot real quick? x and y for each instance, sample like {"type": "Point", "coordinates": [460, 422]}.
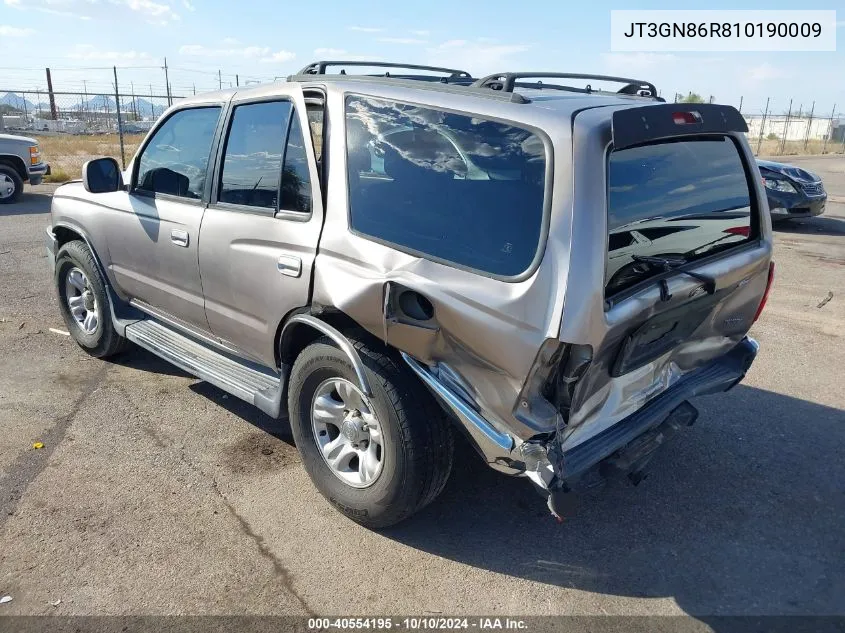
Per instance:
{"type": "Point", "coordinates": [680, 213]}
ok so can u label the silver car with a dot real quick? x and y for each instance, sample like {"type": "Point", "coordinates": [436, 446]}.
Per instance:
{"type": "Point", "coordinates": [385, 259]}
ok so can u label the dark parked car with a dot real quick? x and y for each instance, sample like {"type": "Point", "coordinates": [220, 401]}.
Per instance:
{"type": "Point", "coordinates": [792, 192]}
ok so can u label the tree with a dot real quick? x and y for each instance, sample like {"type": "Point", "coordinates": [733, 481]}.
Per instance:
{"type": "Point", "coordinates": [692, 97]}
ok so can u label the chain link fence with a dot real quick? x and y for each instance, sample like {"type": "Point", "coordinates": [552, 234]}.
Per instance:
{"type": "Point", "coordinates": [74, 127]}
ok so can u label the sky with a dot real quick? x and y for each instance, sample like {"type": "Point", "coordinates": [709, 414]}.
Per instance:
{"type": "Point", "coordinates": [261, 40]}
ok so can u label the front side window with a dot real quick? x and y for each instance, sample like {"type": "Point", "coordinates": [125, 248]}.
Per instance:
{"type": "Point", "coordinates": [175, 161]}
{"type": "Point", "coordinates": [457, 188]}
{"type": "Point", "coordinates": [252, 163]}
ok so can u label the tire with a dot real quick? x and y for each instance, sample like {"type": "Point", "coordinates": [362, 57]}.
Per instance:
{"type": "Point", "coordinates": [101, 340]}
{"type": "Point", "coordinates": [10, 179]}
{"type": "Point", "coordinates": [417, 442]}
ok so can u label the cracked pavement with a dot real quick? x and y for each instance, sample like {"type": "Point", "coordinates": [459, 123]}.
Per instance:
{"type": "Point", "coordinates": [156, 493]}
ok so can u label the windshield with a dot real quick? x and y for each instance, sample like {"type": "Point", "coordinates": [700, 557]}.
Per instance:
{"type": "Point", "coordinates": [678, 201]}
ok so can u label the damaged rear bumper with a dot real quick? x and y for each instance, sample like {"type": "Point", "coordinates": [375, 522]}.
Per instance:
{"type": "Point", "coordinates": [627, 445]}
{"type": "Point", "coordinates": [719, 375]}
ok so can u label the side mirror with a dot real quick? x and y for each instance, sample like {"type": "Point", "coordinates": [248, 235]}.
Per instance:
{"type": "Point", "coordinates": [102, 175]}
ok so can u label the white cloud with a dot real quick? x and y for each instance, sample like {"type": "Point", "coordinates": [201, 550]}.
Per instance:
{"type": "Point", "coordinates": [152, 11]}
{"type": "Point", "coordinates": [421, 33]}
{"type": "Point", "coordinates": [278, 57]}
{"type": "Point", "coordinates": [636, 62]}
{"type": "Point", "coordinates": [230, 41]}
{"type": "Point", "coordinates": [366, 29]}
{"type": "Point", "coordinates": [261, 53]}
{"type": "Point", "coordinates": [480, 57]}
{"type": "Point", "coordinates": [329, 52]}
{"type": "Point", "coordinates": [401, 40]}
{"type": "Point", "coordinates": [11, 31]}
{"type": "Point", "coordinates": [88, 52]}
{"type": "Point", "coordinates": [79, 9]}
{"type": "Point", "coordinates": [188, 5]}
{"type": "Point", "coordinates": [765, 72]}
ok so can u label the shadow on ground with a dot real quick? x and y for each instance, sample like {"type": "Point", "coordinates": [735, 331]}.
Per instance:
{"type": "Point", "coordinates": [742, 513]}
{"type": "Point", "coordinates": [29, 204]}
{"type": "Point", "coordinates": [819, 225]}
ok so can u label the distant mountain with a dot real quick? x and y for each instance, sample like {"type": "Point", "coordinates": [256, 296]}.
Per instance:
{"type": "Point", "coordinates": [19, 103]}
{"type": "Point", "coordinates": [100, 103]}
{"type": "Point", "coordinates": [147, 108]}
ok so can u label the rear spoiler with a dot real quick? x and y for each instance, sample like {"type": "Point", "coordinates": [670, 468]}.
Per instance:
{"type": "Point", "coordinates": [646, 124]}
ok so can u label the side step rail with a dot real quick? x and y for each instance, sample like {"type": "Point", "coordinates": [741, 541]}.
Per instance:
{"type": "Point", "coordinates": [249, 382]}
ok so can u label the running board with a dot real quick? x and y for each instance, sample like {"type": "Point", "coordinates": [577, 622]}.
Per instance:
{"type": "Point", "coordinates": [241, 378]}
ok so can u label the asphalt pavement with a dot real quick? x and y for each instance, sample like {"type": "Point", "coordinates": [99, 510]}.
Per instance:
{"type": "Point", "coordinates": [156, 493]}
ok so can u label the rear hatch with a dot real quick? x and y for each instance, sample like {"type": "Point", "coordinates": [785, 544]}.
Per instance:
{"type": "Point", "coordinates": [685, 255]}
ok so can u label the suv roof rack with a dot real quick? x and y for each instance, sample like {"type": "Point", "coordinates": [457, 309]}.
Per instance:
{"type": "Point", "coordinates": [319, 68]}
{"type": "Point", "coordinates": [506, 82]}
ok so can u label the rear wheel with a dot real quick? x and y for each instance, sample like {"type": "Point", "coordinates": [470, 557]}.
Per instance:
{"type": "Point", "coordinates": [83, 301]}
{"type": "Point", "coordinates": [377, 459]}
{"type": "Point", "coordinates": [11, 185]}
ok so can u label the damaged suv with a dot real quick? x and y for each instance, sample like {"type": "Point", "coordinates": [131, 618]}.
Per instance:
{"type": "Point", "coordinates": [552, 269]}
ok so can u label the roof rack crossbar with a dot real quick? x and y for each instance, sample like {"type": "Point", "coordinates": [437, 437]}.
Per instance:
{"type": "Point", "coordinates": [319, 68]}
{"type": "Point", "coordinates": [507, 81]}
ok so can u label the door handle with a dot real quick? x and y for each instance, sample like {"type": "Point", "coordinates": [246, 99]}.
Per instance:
{"type": "Point", "coordinates": [179, 237]}
{"type": "Point", "coordinates": [290, 265]}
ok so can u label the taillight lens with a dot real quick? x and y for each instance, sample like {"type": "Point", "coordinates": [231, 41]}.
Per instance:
{"type": "Point", "coordinates": [686, 118]}
{"type": "Point", "coordinates": [766, 294]}
{"type": "Point", "coordinates": [34, 155]}
{"type": "Point", "coordinates": [745, 231]}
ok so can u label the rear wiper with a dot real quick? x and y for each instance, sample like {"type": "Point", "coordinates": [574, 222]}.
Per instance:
{"type": "Point", "coordinates": [673, 264]}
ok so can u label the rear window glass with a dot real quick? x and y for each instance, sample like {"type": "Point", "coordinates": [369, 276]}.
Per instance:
{"type": "Point", "coordinates": [678, 201]}
{"type": "Point", "coordinates": [455, 188]}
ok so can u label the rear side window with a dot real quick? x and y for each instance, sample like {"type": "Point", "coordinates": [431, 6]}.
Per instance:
{"type": "Point", "coordinates": [677, 200]}
{"type": "Point", "coordinates": [296, 181]}
{"type": "Point", "coordinates": [252, 164]}
{"type": "Point", "coordinates": [455, 188]}
{"type": "Point", "coordinates": [175, 160]}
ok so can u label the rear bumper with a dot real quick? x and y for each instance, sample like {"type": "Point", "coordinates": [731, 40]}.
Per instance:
{"type": "Point", "coordinates": [721, 374]}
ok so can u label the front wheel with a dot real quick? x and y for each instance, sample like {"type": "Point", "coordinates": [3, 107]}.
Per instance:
{"type": "Point", "coordinates": [377, 459]}
{"type": "Point", "coordinates": [11, 185]}
{"type": "Point", "coordinates": [83, 301]}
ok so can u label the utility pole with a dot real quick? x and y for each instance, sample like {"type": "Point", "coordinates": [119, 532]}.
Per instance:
{"type": "Point", "coordinates": [119, 122]}
{"type": "Point", "coordinates": [167, 83]}
{"type": "Point", "coordinates": [53, 112]}
{"type": "Point", "coordinates": [134, 101]}
{"type": "Point", "coordinates": [152, 107]}
{"type": "Point", "coordinates": [763, 126]}
{"type": "Point", "coordinates": [829, 129]}
{"type": "Point", "coordinates": [809, 125]}
{"type": "Point", "coordinates": [237, 81]}
{"type": "Point", "coordinates": [85, 89]}
{"type": "Point", "coordinates": [740, 105]}
{"type": "Point", "coordinates": [786, 128]}
{"type": "Point", "coordinates": [219, 80]}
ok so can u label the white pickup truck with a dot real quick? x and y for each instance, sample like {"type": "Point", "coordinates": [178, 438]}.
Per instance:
{"type": "Point", "coordinates": [20, 161]}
